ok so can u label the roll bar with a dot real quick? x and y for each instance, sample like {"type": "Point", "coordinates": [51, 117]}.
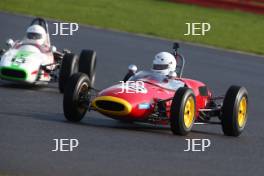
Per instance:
{"type": "Point", "coordinates": [179, 59]}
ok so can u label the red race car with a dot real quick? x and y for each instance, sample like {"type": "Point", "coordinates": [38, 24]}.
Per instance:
{"type": "Point", "coordinates": [150, 97]}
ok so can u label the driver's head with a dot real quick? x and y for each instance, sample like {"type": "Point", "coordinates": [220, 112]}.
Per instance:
{"type": "Point", "coordinates": [164, 63]}
{"type": "Point", "coordinates": [36, 33]}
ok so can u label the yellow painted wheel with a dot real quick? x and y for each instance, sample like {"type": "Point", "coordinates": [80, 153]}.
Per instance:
{"type": "Point", "coordinates": [234, 111]}
{"type": "Point", "coordinates": [189, 111]}
{"type": "Point", "coordinates": [242, 112]}
{"type": "Point", "coordinates": [182, 112]}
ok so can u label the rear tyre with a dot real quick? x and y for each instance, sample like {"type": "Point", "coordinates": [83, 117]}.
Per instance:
{"type": "Point", "coordinates": [182, 112]}
{"type": "Point", "coordinates": [234, 111]}
{"type": "Point", "coordinates": [78, 86]}
{"type": "Point", "coordinates": [87, 64]}
{"type": "Point", "coordinates": [68, 67]}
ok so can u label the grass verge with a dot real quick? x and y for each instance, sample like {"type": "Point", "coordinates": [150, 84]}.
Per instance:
{"type": "Point", "coordinates": [230, 29]}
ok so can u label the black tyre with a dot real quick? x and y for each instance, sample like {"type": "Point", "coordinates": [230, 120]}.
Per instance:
{"type": "Point", "coordinates": [182, 112]}
{"type": "Point", "coordinates": [87, 64]}
{"type": "Point", "coordinates": [68, 67]}
{"type": "Point", "coordinates": [234, 111]}
{"type": "Point", "coordinates": [78, 85]}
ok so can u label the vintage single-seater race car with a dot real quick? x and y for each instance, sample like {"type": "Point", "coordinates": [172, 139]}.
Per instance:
{"type": "Point", "coordinates": [33, 60]}
{"type": "Point", "coordinates": [150, 97]}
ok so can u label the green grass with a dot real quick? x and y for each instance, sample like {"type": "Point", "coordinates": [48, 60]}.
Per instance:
{"type": "Point", "coordinates": [230, 29]}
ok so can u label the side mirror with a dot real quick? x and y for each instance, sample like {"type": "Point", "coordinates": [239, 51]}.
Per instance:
{"type": "Point", "coordinates": [132, 68]}
{"type": "Point", "coordinates": [175, 46]}
{"type": "Point", "coordinates": [10, 43]}
{"type": "Point", "coordinates": [53, 49]}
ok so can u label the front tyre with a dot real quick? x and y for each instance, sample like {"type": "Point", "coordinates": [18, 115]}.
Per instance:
{"type": "Point", "coordinates": [234, 111]}
{"type": "Point", "coordinates": [68, 67]}
{"type": "Point", "coordinates": [182, 112]}
{"type": "Point", "coordinates": [75, 90]}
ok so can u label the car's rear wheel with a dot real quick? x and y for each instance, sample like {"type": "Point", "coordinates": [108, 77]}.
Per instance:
{"type": "Point", "coordinates": [182, 112]}
{"type": "Point", "coordinates": [68, 67]}
{"type": "Point", "coordinates": [234, 111]}
{"type": "Point", "coordinates": [75, 98]}
{"type": "Point", "coordinates": [87, 64]}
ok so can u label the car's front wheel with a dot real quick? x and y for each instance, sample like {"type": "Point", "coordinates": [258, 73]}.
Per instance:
{"type": "Point", "coordinates": [182, 112]}
{"type": "Point", "coordinates": [76, 97]}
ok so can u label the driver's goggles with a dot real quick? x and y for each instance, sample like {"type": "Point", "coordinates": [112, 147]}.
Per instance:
{"type": "Point", "coordinates": [160, 67]}
{"type": "Point", "coordinates": [33, 36]}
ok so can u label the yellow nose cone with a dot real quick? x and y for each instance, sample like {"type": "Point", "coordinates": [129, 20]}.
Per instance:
{"type": "Point", "coordinates": [110, 105]}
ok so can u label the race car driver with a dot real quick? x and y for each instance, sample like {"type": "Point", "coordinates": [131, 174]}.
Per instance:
{"type": "Point", "coordinates": [36, 34]}
{"type": "Point", "coordinates": [165, 63]}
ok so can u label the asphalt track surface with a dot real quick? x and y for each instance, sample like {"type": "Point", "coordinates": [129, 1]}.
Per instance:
{"type": "Point", "coordinates": [30, 118]}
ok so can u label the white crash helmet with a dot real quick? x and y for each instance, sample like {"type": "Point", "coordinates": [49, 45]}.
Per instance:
{"type": "Point", "coordinates": [37, 34]}
{"type": "Point", "coordinates": [164, 63]}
